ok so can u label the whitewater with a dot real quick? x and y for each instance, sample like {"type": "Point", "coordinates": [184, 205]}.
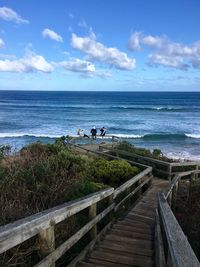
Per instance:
{"type": "Point", "coordinates": [164, 120]}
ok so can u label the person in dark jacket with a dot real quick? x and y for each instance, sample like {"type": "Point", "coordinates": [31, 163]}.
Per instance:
{"type": "Point", "coordinates": [103, 131]}
{"type": "Point", "coordinates": [94, 133]}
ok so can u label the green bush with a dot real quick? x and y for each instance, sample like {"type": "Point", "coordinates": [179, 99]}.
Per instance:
{"type": "Point", "coordinates": [113, 173]}
{"type": "Point", "coordinates": [83, 188]}
{"type": "Point", "coordinates": [156, 154]}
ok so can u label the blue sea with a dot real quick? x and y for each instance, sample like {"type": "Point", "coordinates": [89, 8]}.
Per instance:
{"type": "Point", "coordinates": [169, 121]}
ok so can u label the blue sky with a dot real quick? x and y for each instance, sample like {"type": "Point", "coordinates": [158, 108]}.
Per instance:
{"type": "Point", "coordinates": [130, 45]}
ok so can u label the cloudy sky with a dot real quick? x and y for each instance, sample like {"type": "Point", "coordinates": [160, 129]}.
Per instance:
{"type": "Point", "coordinates": [126, 45]}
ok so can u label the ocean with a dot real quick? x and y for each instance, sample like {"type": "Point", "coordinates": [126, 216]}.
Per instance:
{"type": "Point", "coordinates": [169, 121]}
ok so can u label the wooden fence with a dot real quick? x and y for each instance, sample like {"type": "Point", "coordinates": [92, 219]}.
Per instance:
{"type": "Point", "coordinates": [172, 247]}
{"type": "Point", "coordinates": [161, 168]}
{"type": "Point", "coordinates": [43, 224]}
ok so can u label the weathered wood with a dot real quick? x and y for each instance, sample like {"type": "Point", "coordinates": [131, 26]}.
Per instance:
{"type": "Point", "coordinates": [89, 247]}
{"type": "Point", "coordinates": [187, 163]}
{"type": "Point", "coordinates": [131, 181]}
{"type": "Point", "coordinates": [92, 215]}
{"type": "Point", "coordinates": [148, 159]}
{"type": "Point", "coordinates": [180, 250]}
{"type": "Point", "coordinates": [169, 172]}
{"type": "Point", "coordinates": [159, 249]}
{"type": "Point", "coordinates": [46, 242]}
{"type": "Point", "coordinates": [116, 257]}
{"type": "Point", "coordinates": [15, 233]}
{"type": "Point", "coordinates": [58, 252]}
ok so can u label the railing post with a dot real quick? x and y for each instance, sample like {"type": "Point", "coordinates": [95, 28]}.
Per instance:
{"type": "Point", "coordinates": [46, 241]}
{"type": "Point", "coordinates": [174, 196]}
{"type": "Point", "coordinates": [110, 201]}
{"type": "Point", "coordinates": [169, 172]}
{"type": "Point", "coordinates": [92, 215]}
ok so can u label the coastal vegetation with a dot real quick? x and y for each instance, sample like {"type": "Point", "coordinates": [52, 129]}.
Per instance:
{"type": "Point", "coordinates": [155, 154]}
{"type": "Point", "coordinates": [41, 176]}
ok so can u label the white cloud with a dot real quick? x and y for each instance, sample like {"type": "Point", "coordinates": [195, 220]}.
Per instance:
{"type": "Point", "coordinates": [78, 65]}
{"type": "Point", "coordinates": [167, 61]}
{"type": "Point", "coordinates": [134, 41]}
{"type": "Point", "coordinates": [99, 52]}
{"type": "Point", "coordinates": [7, 56]}
{"type": "Point", "coordinates": [10, 15]}
{"type": "Point", "coordinates": [2, 44]}
{"type": "Point", "coordinates": [47, 33]}
{"type": "Point", "coordinates": [84, 67]}
{"type": "Point", "coordinates": [155, 42]}
{"type": "Point", "coordinates": [30, 63]}
{"type": "Point", "coordinates": [167, 53]}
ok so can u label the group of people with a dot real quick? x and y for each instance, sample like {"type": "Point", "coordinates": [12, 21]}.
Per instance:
{"type": "Point", "coordinates": [93, 132]}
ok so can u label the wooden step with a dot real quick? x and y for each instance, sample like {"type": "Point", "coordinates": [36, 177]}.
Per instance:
{"type": "Point", "coordinates": [131, 234]}
{"type": "Point", "coordinates": [133, 228]}
{"type": "Point", "coordinates": [102, 262]}
{"type": "Point", "coordinates": [132, 249]}
{"type": "Point", "coordinates": [115, 257]}
{"type": "Point", "coordinates": [147, 244]}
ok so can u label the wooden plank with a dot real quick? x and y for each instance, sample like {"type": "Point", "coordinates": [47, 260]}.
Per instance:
{"type": "Point", "coordinates": [89, 247]}
{"type": "Point", "coordinates": [15, 233]}
{"type": "Point", "coordinates": [126, 240]}
{"type": "Point", "coordinates": [137, 228]}
{"type": "Point", "coordinates": [122, 259]}
{"type": "Point", "coordinates": [181, 253]}
{"type": "Point", "coordinates": [159, 248]}
{"type": "Point", "coordinates": [138, 217]}
{"type": "Point", "coordinates": [126, 248]}
{"type": "Point", "coordinates": [164, 163]}
{"type": "Point", "coordinates": [105, 263]}
{"type": "Point", "coordinates": [135, 235]}
{"type": "Point", "coordinates": [135, 223]}
{"type": "Point", "coordinates": [58, 252]}
{"type": "Point", "coordinates": [88, 264]}
{"type": "Point", "coordinates": [47, 242]}
{"type": "Point", "coordinates": [92, 215]}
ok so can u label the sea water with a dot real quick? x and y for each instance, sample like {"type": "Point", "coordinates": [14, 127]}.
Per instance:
{"type": "Point", "coordinates": [169, 121]}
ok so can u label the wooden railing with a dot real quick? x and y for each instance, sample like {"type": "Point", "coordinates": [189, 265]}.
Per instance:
{"type": "Point", "coordinates": [172, 247]}
{"type": "Point", "coordinates": [44, 223]}
{"type": "Point", "coordinates": [85, 140]}
{"type": "Point", "coordinates": [160, 168]}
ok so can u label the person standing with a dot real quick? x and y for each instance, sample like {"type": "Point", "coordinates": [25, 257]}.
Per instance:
{"type": "Point", "coordinates": [103, 131]}
{"type": "Point", "coordinates": [94, 133]}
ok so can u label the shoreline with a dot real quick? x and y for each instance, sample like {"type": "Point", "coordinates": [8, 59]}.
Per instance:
{"type": "Point", "coordinates": [179, 153]}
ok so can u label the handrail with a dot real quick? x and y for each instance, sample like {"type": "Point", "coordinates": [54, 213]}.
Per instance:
{"type": "Point", "coordinates": [151, 161]}
{"type": "Point", "coordinates": [180, 253]}
{"type": "Point", "coordinates": [100, 153]}
{"type": "Point", "coordinates": [42, 224]}
{"type": "Point", "coordinates": [17, 232]}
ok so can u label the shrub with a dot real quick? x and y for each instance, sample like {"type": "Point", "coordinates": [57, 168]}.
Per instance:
{"type": "Point", "coordinates": [157, 153]}
{"type": "Point", "coordinates": [114, 172]}
{"type": "Point", "coordinates": [83, 188]}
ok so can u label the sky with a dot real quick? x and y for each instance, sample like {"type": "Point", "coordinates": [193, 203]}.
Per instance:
{"type": "Point", "coordinates": [100, 45]}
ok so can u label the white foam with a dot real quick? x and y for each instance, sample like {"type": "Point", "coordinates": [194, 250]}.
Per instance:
{"type": "Point", "coordinates": [182, 156]}
{"type": "Point", "coordinates": [126, 135]}
{"type": "Point", "coordinates": [3, 135]}
{"type": "Point", "coordinates": [196, 136]}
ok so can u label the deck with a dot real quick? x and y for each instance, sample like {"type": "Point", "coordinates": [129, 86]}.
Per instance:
{"type": "Point", "coordinates": [130, 241]}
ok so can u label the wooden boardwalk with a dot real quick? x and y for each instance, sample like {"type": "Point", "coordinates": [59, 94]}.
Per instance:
{"type": "Point", "coordinates": [130, 240]}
